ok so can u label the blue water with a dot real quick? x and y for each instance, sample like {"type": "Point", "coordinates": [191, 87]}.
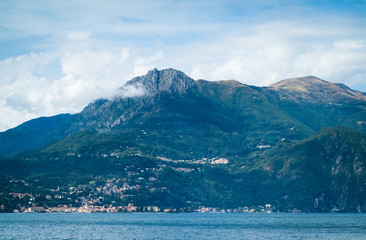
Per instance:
{"type": "Point", "coordinates": [182, 226]}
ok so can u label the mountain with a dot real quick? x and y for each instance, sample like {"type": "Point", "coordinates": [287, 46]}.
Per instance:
{"type": "Point", "coordinates": [182, 112]}
{"type": "Point", "coordinates": [316, 90]}
{"type": "Point", "coordinates": [212, 143]}
{"type": "Point", "coordinates": [30, 135]}
{"type": "Point", "coordinates": [323, 172]}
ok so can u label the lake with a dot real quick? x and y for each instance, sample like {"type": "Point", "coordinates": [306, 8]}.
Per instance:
{"type": "Point", "coordinates": [182, 226]}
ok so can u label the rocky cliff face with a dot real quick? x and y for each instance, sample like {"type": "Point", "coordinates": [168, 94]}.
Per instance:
{"type": "Point", "coordinates": [167, 80]}
{"type": "Point", "coordinates": [140, 94]}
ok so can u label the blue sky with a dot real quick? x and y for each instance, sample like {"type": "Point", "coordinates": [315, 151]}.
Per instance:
{"type": "Point", "coordinates": [57, 56]}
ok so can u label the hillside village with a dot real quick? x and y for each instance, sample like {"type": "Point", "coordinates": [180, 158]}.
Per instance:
{"type": "Point", "coordinates": [109, 195]}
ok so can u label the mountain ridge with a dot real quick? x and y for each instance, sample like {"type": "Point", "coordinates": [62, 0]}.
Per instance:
{"type": "Point", "coordinates": [161, 85]}
{"type": "Point", "coordinates": [319, 89]}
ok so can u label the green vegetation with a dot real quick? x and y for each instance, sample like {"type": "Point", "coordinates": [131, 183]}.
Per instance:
{"type": "Point", "coordinates": [160, 149]}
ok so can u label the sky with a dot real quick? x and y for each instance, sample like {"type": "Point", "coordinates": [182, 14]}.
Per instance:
{"type": "Point", "coordinates": [58, 56]}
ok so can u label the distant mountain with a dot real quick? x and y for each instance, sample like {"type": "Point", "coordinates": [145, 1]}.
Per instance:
{"type": "Point", "coordinates": [314, 89]}
{"type": "Point", "coordinates": [164, 120]}
{"type": "Point", "coordinates": [30, 135]}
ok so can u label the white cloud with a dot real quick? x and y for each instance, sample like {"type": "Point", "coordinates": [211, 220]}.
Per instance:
{"type": "Point", "coordinates": [85, 76]}
{"type": "Point", "coordinates": [130, 91]}
{"type": "Point", "coordinates": [77, 36]}
{"type": "Point", "coordinates": [350, 44]}
{"type": "Point", "coordinates": [144, 64]}
{"type": "Point", "coordinates": [279, 50]}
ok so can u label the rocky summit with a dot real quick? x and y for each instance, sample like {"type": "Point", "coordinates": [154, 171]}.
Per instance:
{"type": "Point", "coordinates": [166, 80]}
{"type": "Point", "coordinates": [170, 142]}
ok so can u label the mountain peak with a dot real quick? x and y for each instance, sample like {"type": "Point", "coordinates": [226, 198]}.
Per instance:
{"type": "Point", "coordinates": [318, 89]}
{"type": "Point", "coordinates": [156, 81]}
{"type": "Point", "coordinates": [302, 84]}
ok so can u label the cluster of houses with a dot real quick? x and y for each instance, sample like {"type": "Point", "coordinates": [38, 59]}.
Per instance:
{"type": "Point", "coordinates": [215, 160]}
{"type": "Point", "coordinates": [131, 208]}
{"type": "Point", "coordinates": [91, 198]}
{"type": "Point", "coordinates": [84, 209]}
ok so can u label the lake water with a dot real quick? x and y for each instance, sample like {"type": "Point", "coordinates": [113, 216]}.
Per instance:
{"type": "Point", "coordinates": [182, 226]}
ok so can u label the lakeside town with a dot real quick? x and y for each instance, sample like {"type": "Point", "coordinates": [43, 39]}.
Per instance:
{"type": "Point", "coordinates": [110, 195]}
{"type": "Point", "coordinates": [102, 199]}
{"type": "Point", "coordinates": [131, 209]}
